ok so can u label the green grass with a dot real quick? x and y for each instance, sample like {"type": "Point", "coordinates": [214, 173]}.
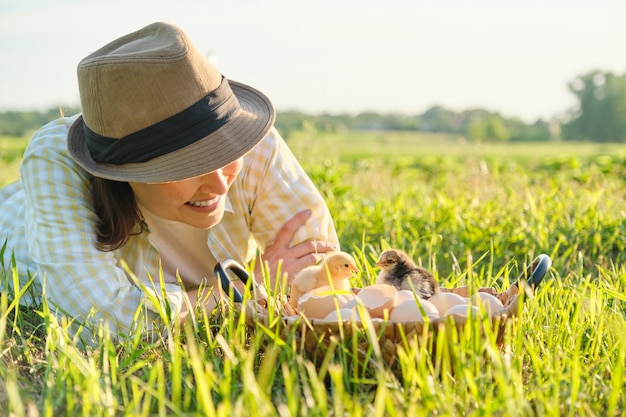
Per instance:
{"type": "Point", "coordinates": [11, 151]}
{"type": "Point", "coordinates": [473, 214]}
{"type": "Point", "coordinates": [394, 146]}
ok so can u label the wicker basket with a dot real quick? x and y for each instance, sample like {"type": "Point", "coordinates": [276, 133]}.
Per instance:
{"type": "Point", "coordinates": [378, 338]}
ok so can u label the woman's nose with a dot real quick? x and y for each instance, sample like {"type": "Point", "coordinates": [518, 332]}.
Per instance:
{"type": "Point", "coordinates": [213, 183]}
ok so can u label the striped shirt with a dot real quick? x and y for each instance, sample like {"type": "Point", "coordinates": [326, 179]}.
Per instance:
{"type": "Point", "coordinates": [48, 221]}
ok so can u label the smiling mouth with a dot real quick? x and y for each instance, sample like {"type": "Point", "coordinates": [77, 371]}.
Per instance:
{"type": "Point", "coordinates": [203, 203]}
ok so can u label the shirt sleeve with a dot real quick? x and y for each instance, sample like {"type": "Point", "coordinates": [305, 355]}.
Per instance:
{"type": "Point", "coordinates": [79, 280]}
{"type": "Point", "coordinates": [278, 188]}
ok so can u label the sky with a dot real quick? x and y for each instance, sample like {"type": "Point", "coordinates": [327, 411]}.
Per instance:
{"type": "Point", "coordinates": [336, 56]}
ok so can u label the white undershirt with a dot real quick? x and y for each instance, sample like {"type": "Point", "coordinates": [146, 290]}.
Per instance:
{"type": "Point", "coordinates": [183, 248]}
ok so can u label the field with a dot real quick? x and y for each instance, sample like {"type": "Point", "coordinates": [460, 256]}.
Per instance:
{"type": "Point", "coordinates": [474, 214]}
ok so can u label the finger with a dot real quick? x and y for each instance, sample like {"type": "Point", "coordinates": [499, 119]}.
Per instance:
{"type": "Point", "coordinates": [312, 247]}
{"type": "Point", "coordinates": [309, 260]}
{"type": "Point", "coordinates": [286, 233]}
{"type": "Point", "coordinates": [296, 265]}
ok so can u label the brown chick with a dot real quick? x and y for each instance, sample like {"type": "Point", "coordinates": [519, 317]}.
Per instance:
{"type": "Point", "coordinates": [399, 270]}
{"type": "Point", "coordinates": [336, 266]}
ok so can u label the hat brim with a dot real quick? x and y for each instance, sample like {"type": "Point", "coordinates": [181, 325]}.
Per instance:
{"type": "Point", "coordinates": [216, 150]}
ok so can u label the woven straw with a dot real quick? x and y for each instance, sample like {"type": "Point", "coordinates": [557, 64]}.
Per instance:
{"type": "Point", "coordinates": [318, 337]}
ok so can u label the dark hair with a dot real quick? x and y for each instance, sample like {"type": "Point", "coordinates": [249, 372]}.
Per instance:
{"type": "Point", "coordinates": [118, 215]}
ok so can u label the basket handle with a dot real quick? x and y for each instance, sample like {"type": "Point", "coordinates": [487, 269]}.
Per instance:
{"type": "Point", "coordinates": [220, 273]}
{"type": "Point", "coordinates": [535, 272]}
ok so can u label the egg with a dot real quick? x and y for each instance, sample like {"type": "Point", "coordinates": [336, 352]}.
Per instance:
{"type": "Point", "coordinates": [463, 310]}
{"type": "Point", "coordinates": [291, 319]}
{"type": "Point", "coordinates": [444, 301]}
{"type": "Point", "coordinates": [491, 304]}
{"type": "Point", "coordinates": [361, 312]}
{"type": "Point", "coordinates": [351, 304]}
{"type": "Point", "coordinates": [343, 314]}
{"type": "Point", "coordinates": [430, 309]}
{"type": "Point", "coordinates": [406, 311]}
{"type": "Point", "coordinates": [378, 299]}
{"type": "Point", "coordinates": [404, 295]}
{"type": "Point", "coordinates": [318, 303]}
{"type": "Point", "coordinates": [409, 310]}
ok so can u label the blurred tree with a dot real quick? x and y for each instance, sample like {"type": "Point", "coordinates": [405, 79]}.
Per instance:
{"type": "Point", "coordinates": [601, 112]}
{"type": "Point", "coordinates": [438, 119]}
{"type": "Point", "coordinates": [536, 132]}
{"type": "Point", "coordinates": [477, 130]}
{"type": "Point", "coordinates": [496, 129]}
{"type": "Point", "coordinates": [488, 128]}
{"type": "Point", "coordinates": [20, 123]}
{"type": "Point", "coordinates": [290, 121]}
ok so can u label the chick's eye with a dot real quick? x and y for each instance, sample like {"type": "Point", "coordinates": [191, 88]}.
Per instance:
{"type": "Point", "coordinates": [346, 265]}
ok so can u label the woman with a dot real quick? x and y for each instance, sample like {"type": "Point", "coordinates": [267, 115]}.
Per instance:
{"type": "Point", "coordinates": [169, 169]}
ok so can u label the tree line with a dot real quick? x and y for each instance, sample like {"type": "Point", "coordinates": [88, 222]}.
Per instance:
{"type": "Point", "coordinates": [599, 116]}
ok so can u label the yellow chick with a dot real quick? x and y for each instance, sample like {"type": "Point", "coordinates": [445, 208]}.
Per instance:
{"type": "Point", "coordinates": [336, 267]}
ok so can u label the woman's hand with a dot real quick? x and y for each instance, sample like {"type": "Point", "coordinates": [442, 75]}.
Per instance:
{"type": "Point", "coordinates": [294, 258]}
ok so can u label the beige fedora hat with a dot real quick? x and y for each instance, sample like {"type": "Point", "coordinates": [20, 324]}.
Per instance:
{"type": "Point", "coordinates": [155, 110]}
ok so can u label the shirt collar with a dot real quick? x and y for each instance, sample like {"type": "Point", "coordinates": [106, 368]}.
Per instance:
{"type": "Point", "coordinates": [228, 205]}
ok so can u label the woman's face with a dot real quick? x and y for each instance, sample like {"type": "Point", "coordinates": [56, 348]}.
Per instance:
{"type": "Point", "coordinates": [198, 202]}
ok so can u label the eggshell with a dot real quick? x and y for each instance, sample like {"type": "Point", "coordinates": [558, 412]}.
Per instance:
{"type": "Point", "coordinates": [357, 306]}
{"type": "Point", "coordinates": [318, 303]}
{"type": "Point", "coordinates": [349, 296]}
{"type": "Point", "coordinates": [491, 304]}
{"type": "Point", "coordinates": [346, 314]}
{"type": "Point", "coordinates": [444, 301]}
{"type": "Point", "coordinates": [378, 299]}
